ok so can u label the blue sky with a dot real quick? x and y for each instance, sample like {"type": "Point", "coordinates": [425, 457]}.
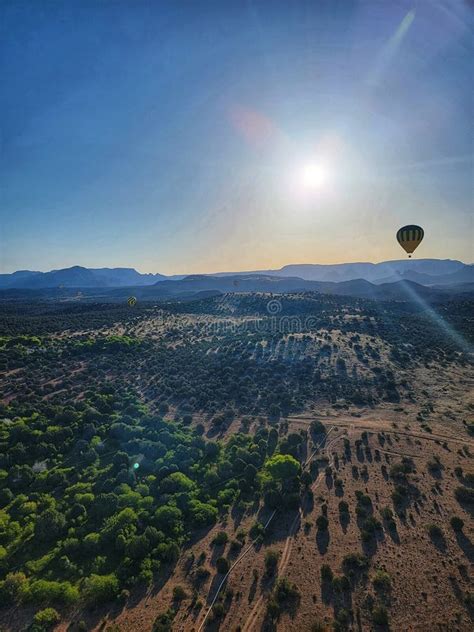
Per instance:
{"type": "Point", "coordinates": [174, 137]}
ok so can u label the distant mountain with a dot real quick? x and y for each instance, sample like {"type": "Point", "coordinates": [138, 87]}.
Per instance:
{"type": "Point", "coordinates": [77, 276]}
{"type": "Point", "coordinates": [428, 272]}
{"type": "Point", "coordinates": [16, 278]}
{"type": "Point", "coordinates": [120, 277]}
{"type": "Point", "coordinates": [386, 271]}
{"type": "Point", "coordinates": [463, 275]}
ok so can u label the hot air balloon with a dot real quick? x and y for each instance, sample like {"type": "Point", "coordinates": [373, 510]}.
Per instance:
{"type": "Point", "coordinates": [410, 237]}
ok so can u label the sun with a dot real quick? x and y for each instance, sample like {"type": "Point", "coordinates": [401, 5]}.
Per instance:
{"type": "Point", "coordinates": [314, 175]}
{"type": "Point", "coordinates": [311, 177]}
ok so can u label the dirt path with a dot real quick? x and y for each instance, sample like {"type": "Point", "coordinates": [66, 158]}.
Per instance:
{"type": "Point", "coordinates": [377, 426]}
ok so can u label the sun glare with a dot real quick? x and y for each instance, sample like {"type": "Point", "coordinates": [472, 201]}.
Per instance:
{"type": "Point", "coordinates": [314, 175]}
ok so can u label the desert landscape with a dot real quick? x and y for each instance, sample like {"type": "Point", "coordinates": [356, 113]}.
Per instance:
{"type": "Point", "coordinates": [236, 316]}
{"type": "Point", "coordinates": [336, 496]}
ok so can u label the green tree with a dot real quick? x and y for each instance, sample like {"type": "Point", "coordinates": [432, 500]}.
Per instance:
{"type": "Point", "coordinates": [282, 467]}
{"type": "Point", "coordinates": [169, 520]}
{"type": "Point", "coordinates": [12, 587]}
{"type": "Point", "coordinates": [43, 591]}
{"type": "Point", "coordinates": [202, 514]}
{"type": "Point", "coordinates": [46, 619]}
{"type": "Point", "coordinates": [100, 588]}
{"type": "Point", "coordinates": [177, 482]}
{"type": "Point", "coordinates": [49, 525]}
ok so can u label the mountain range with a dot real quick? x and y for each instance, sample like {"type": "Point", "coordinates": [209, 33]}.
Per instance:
{"type": "Point", "coordinates": [82, 284]}
{"type": "Point", "coordinates": [77, 276]}
{"type": "Point", "coordinates": [428, 272]}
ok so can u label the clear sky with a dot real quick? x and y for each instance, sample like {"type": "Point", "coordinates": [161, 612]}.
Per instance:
{"type": "Point", "coordinates": [207, 136]}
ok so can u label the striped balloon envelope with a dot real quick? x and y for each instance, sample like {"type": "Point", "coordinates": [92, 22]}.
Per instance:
{"type": "Point", "coordinates": [410, 237]}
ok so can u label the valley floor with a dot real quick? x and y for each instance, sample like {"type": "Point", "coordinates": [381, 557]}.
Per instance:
{"type": "Point", "coordinates": [429, 578]}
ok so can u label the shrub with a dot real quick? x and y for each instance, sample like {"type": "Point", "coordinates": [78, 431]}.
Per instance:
{"type": "Point", "coordinates": [218, 610]}
{"type": "Point", "coordinates": [46, 619]}
{"type": "Point", "coordinates": [371, 524]}
{"type": "Point", "coordinates": [100, 588]}
{"type": "Point", "coordinates": [434, 466]}
{"type": "Point", "coordinates": [434, 531]}
{"type": "Point", "coordinates": [340, 584]}
{"type": "Point", "coordinates": [469, 600]}
{"type": "Point", "coordinates": [456, 523]}
{"type": "Point", "coordinates": [201, 574]}
{"type": "Point", "coordinates": [220, 538]}
{"type": "Point", "coordinates": [326, 573]}
{"type": "Point", "coordinates": [257, 530]}
{"type": "Point", "coordinates": [235, 545]}
{"type": "Point", "coordinates": [43, 591]}
{"type": "Point", "coordinates": [343, 507]}
{"type": "Point", "coordinates": [381, 580]}
{"type": "Point", "coordinates": [355, 562]}
{"type": "Point", "coordinates": [271, 562]}
{"type": "Point", "coordinates": [179, 593]}
{"type": "Point", "coordinates": [285, 595]}
{"type": "Point", "coordinates": [164, 621]}
{"type": "Point", "coordinates": [316, 427]}
{"type": "Point", "coordinates": [322, 523]}
{"type": "Point", "coordinates": [464, 495]}
{"type": "Point", "coordinates": [469, 477]}
{"type": "Point", "coordinates": [222, 565]}
{"type": "Point", "coordinates": [12, 587]}
{"type": "Point", "coordinates": [399, 495]}
{"type": "Point", "coordinates": [380, 615]}
{"type": "Point", "coordinates": [342, 620]}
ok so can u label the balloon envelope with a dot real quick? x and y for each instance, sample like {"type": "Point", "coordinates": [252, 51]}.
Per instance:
{"type": "Point", "coordinates": [410, 237]}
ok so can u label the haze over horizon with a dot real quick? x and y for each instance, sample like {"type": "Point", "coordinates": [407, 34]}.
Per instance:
{"type": "Point", "coordinates": [177, 139]}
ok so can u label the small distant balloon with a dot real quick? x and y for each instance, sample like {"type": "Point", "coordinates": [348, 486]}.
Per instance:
{"type": "Point", "coordinates": [132, 300]}
{"type": "Point", "coordinates": [410, 237]}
